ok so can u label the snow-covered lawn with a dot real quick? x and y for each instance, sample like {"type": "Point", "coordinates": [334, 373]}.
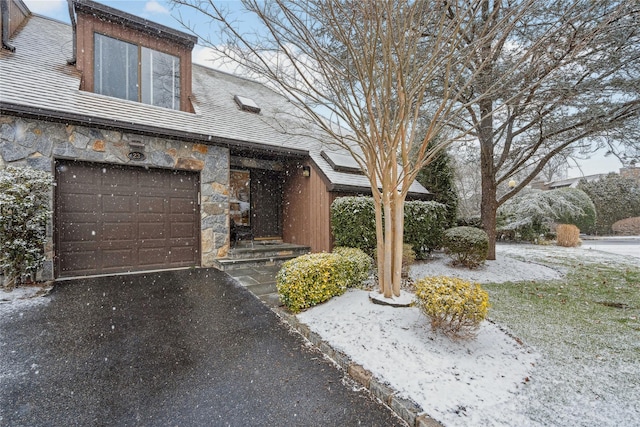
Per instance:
{"type": "Point", "coordinates": [542, 370]}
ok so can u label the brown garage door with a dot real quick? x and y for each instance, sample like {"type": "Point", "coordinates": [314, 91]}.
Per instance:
{"type": "Point", "coordinates": [114, 219]}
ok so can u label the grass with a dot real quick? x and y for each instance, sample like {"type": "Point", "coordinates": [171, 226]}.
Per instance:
{"type": "Point", "coordinates": [587, 329]}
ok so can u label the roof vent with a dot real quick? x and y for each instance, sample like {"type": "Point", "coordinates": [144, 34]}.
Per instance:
{"type": "Point", "coordinates": [246, 104]}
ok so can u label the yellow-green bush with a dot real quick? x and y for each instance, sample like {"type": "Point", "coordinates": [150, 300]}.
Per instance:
{"type": "Point", "coordinates": [454, 306]}
{"type": "Point", "coordinates": [311, 279]}
{"type": "Point", "coordinates": [357, 265]}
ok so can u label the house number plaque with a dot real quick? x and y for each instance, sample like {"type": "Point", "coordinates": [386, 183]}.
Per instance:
{"type": "Point", "coordinates": [136, 156]}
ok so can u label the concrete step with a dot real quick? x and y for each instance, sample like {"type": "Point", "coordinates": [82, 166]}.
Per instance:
{"type": "Point", "coordinates": [261, 251]}
{"type": "Point", "coordinates": [230, 264]}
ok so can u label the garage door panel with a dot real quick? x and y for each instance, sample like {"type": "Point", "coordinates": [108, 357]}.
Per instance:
{"type": "Point", "coordinates": [79, 231]}
{"type": "Point", "coordinates": [181, 254]}
{"type": "Point", "coordinates": [118, 231]}
{"type": "Point", "coordinates": [152, 204]}
{"type": "Point", "coordinates": [124, 219]}
{"type": "Point", "coordinates": [118, 203]}
{"type": "Point", "coordinates": [80, 262]}
{"type": "Point", "coordinates": [181, 205]}
{"type": "Point", "coordinates": [150, 231]}
{"type": "Point", "coordinates": [80, 202]}
{"type": "Point", "coordinates": [117, 258]}
{"type": "Point", "coordinates": [153, 256]}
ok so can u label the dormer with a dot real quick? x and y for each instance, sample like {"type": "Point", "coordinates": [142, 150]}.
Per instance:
{"type": "Point", "coordinates": [127, 57]}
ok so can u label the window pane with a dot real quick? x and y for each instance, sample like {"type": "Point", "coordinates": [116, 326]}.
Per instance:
{"type": "Point", "coordinates": [115, 68]}
{"type": "Point", "coordinates": [160, 79]}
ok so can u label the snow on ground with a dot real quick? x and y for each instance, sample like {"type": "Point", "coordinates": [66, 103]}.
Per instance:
{"type": "Point", "coordinates": [456, 382]}
{"type": "Point", "coordinates": [22, 298]}
{"type": "Point", "coordinates": [478, 382]}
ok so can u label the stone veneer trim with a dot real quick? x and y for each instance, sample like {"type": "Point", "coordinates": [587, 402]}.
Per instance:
{"type": "Point", "coordinates": [37, 144]}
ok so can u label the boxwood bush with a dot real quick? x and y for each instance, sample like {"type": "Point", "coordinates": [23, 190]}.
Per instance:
{"type": "Point", "coordinates": [454, 306]}
{"type": "Point", "coordinates": [466, 245]}
{"type": "Point", "coordinates": [353, 224]}
{"type": "Point", "coordinates": [356, 263]}
{"type": "Point", "coordinates": [311, 279]}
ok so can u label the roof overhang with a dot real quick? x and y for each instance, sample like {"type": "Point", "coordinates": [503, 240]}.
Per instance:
{"type": "Point", "coordinates": [110, 14]}
{"type": "Point", "coordinates": [91, 121]}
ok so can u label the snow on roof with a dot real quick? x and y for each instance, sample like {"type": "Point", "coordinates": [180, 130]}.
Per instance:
{"type": "Point", "coordinates": [36, 80]}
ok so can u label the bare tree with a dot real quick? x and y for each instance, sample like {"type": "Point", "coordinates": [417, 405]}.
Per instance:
{"type": "Point", "coordinates": [374, 67]}
{"type": "Point", "coordinates": [573, 70]}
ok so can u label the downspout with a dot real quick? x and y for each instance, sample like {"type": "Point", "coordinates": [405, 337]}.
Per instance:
{"type": "Point", "coordinates": [72, 17]}
{"type": "Point", "coordinates": [4, 7]}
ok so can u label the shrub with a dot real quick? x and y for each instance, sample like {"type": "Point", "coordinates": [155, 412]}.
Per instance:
{"type": "Point", "coordinates": [424, 224]}
{"type": "Point", "coordinates": [24, 212]}
{"type": "Point", "coordinates": [353, 223]}
{"type": "Point", "coordinates": [454, 306]}
{"type": "Point", "coordinates": [530, 216]}
{"type": "Point", "coordinates": [568, 235]}
{"type": "Point", "coordinates": [627, 226]}
{"type": "Point", "coordinates": [466, 245]}
{"type": "Point", "coordinates": [356, 263]}
{"type": "Point", "coordinates": [615, 197]}
{"type": "Point", "coordinates": [311, 279]}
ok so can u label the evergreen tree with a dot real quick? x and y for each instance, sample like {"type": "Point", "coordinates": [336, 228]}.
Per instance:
{"type": "Point", "coordinates": [615, 198]}
{"type": "Point", "coordinates": [438, 178]}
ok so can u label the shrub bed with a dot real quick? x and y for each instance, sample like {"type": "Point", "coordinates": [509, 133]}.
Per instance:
{"type": "Point", "coordinates": [454, 306]}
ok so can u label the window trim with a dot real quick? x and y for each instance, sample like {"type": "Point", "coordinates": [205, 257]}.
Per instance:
{"type": "Point", "coordinates": [140, 51]}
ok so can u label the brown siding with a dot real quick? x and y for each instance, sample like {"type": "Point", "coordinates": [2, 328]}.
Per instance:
{"type": "Point", "coordinates": [88, 25]}
{"type": "Point", "coordinates": [306, 210]}
{"type": "Point", "coordinates": [17, 14]}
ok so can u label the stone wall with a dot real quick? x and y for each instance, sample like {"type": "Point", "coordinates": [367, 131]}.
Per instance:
{"type": "Point", "coordinates": [36, 144]}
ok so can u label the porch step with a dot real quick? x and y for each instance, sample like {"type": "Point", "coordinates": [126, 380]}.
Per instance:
{"type": "Point", "coordinates": [260, 256]}
{"type": "Point", "coordinates": [260, 250]}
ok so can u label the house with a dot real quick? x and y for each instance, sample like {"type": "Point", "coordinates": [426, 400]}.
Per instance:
{"type": "Point", "coordinates": [155, 158]}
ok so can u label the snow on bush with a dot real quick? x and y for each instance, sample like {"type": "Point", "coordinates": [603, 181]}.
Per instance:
{"type": "Point", "coordinates": [528, 216]}
{"type": "Point", "coordinates": [358, 265]}
{"type": "Point", "coordinates": [454, 306]}
{"type": "Point", "coordinates": [24, 212]}
{"type": "Point", "coordinates": [466, 245]}
{"type": "Point", "coordinates": [615, 198]}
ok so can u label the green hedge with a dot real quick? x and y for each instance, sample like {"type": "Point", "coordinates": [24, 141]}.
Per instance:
{"type": "Point", "coordinates": [353, 224]}
{"type": "Point", "coordinates": [424, 225]}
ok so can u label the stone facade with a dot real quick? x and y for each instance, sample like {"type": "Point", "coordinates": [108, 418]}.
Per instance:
{"type": "Point", "coordinates": [36, 144]}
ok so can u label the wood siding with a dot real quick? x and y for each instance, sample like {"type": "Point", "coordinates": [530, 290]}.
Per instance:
{"type": "Point", "coordinates": [17, 14]}
{"type": "Point", "coordinates": [88, 25]}
{"type": "Point", "coordinates": [306, 216]}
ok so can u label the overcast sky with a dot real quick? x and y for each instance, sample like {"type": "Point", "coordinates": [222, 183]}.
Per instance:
{"type": "Point", "coordinates": [160, 11]}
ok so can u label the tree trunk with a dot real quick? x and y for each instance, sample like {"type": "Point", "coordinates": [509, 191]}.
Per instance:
{"type": "Point", "coordinates": [489, 205]}
{"type": "Point", "coordinates": [398, 225]}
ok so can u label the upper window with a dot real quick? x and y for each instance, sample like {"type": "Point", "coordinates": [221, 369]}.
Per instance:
{"type": "Point", "coordinates": [137, 73]}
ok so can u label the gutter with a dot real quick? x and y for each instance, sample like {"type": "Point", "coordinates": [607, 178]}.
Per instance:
{"type": "Point", "coordinates": [4, 10]}
{"type": "Point", "coordinates": [72, 17]}
{"type": "Point", "coordinates": [85, 120]}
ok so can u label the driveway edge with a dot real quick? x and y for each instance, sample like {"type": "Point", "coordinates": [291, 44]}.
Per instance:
{"type": "Point", "coordinates": [406, 409]}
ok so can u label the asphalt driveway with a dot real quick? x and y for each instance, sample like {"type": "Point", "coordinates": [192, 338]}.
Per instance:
{"type": "Point", "coordinates": [179, 348]}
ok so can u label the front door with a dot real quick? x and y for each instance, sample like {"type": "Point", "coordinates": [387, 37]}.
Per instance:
{"type": "Point", "coordinates": [266, 203]}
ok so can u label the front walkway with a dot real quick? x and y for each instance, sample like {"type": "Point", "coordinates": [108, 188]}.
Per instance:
{"type": "Point", "coordinates": [261, 281]}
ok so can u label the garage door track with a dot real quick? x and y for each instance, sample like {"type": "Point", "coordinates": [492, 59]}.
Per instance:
{"type": "Point", "coordinates": [182, 348]}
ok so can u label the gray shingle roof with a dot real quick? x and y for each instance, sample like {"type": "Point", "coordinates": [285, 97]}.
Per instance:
{"type": "Point", "coordinates": [36, 79]}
